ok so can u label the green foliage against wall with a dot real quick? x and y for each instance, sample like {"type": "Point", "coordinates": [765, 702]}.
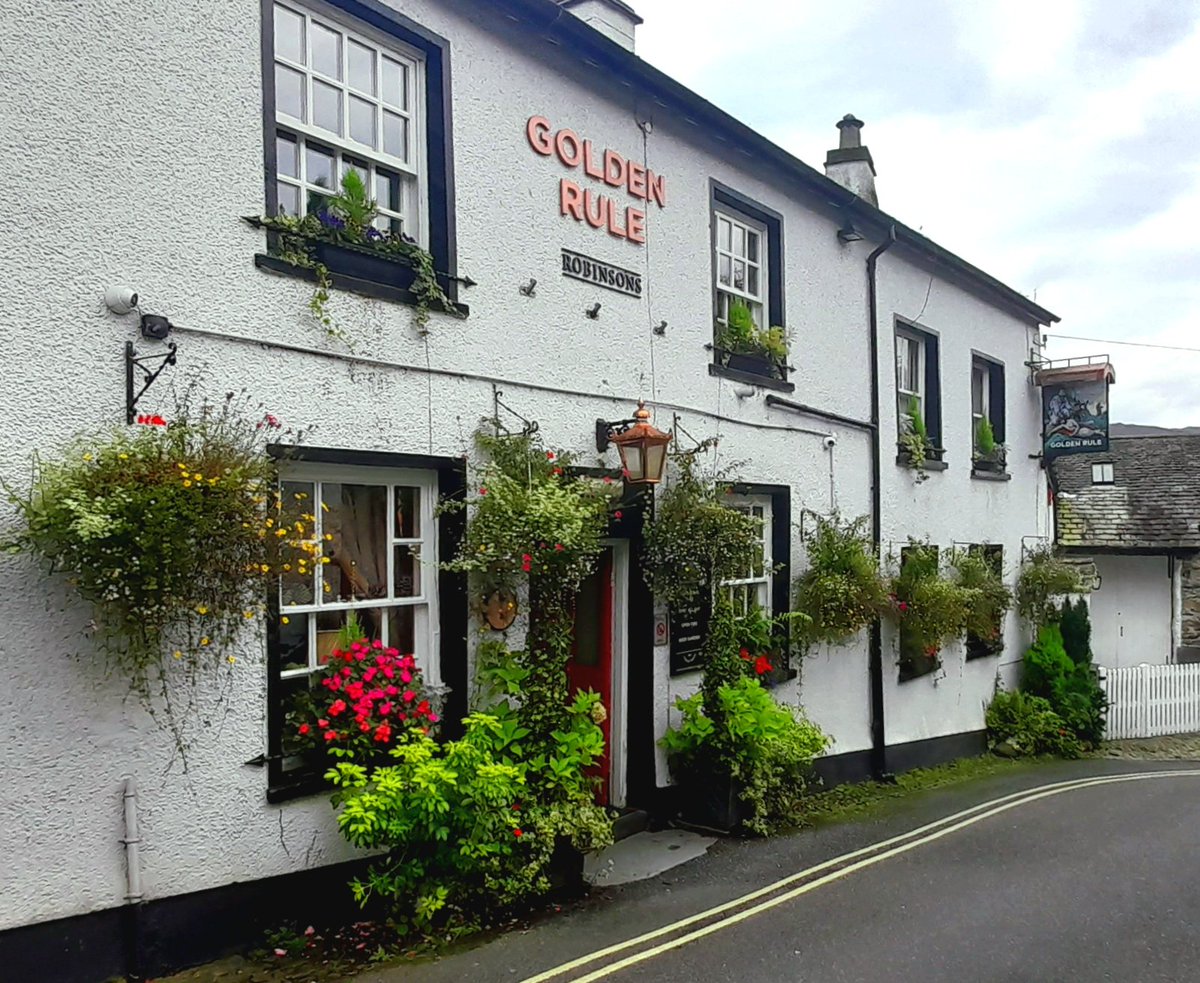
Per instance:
{"type": "Point", "coordinates": [842, 590]}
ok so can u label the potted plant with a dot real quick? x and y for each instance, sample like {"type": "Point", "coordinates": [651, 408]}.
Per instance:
{"type": "Point", "coordinates": [744, 346]}
{"type": "Point", "coordinates": [989, 455]}
{"type": "Point", "coordinates": [339, 236]}
{"type": "Point", "coordinates": [914, 444]}
{"type": "Point", "coordinates": [988, 603]}
{"type": "Point", "coordinates": [1044, 577]}
{"type": "Point", "coordinates": [929, 609]}
{"type": "Point", "coordinates": [842, 591]}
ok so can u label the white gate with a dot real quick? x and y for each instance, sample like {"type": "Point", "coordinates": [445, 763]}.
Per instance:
{"type": "Point", "coordinates": [1152, 701]}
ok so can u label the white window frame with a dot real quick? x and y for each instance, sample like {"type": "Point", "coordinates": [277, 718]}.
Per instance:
{"type": "Point", "coordinates": [1105, 471]}
{"type": "Point", "coordinates": [980, 370]}
{"type": "Point", "coordinates": [756, 586]}
{"type": "Point", "coordinates": [412, 215]}
{"type": "Point", "coordinates": [426, 624]}
{"type": "Point", "coordinates": [741, 227]}
{"type": "Point", "coordinates": [911, 341]}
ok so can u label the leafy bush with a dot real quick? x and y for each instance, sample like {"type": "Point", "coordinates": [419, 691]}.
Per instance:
{"type": "Point", "coordinates": [1029, 725]}
{"type": "Point", "coordinates": [914, 438]}
{"type": "Point", "coordinates": [766, 747]}
{"type": "Point", "coordinates": [470, 826]}
{"type": "Point", "coordinates": [989, 600]}
{"type": "Point", "coordinates": [1071, 688]}
{"type": "Point", "coordinates": [931, 611]}
{"type": "Point", "coordinates": [1076, 626]}
{"type": "Point", "coordinates": [842, 591]}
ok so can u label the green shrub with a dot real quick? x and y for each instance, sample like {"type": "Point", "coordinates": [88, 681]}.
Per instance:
{"type": "Point", "coordinates": [985, 437]}
{"type": "Point", "coordinates": [931, 611]}
{"type": "Point", "coordinates": [1070, 688]}
{"type": "Point", "coordinates": [766, 747]}
{"type": "Point", "coordinates": [1043, 578]}
{"type": "Point", "coordinates": [1076, 631]}
{"type": "Point", "coordinates": [1029, 725]}
{"type": "Point", "coordinates": [469, 826]}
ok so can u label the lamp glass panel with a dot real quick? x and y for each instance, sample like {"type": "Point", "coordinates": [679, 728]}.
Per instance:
{"type": "Point", "coordinates": [631, 458]}
{"type": "Point", "coordinates": [655, 459]}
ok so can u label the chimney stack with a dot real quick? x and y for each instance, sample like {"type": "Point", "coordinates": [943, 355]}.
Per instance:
{"type": "Point", "coordinates": [851, 165]}
{"type": "Point", "coordinates": [615, 19]}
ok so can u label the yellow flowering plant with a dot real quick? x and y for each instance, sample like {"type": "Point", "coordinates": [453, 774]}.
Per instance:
{"type": "Point", "coordinates": [169, 531]}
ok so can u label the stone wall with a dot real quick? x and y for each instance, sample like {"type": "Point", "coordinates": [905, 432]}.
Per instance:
{"type": "Point", "coordinates": [1189, 572]}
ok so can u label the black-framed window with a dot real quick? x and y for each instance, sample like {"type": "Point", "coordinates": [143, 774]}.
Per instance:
{"type": "Point", "coordinates": [979, 647]}
{"type": "Point", "coordinates": [354, 85]}
{"type": "Point", "coordinates": [747, 263]}
{"type": "Point", "coordinates": [987, 398]}
{"type": "Point", "coordinates": [918, 381]}
{"type": "Point", "coordinates": [1103, 473]}
{"type": "Point", "coordinates": [767, 584]}
{"type": "Point", "coordinates": [373, 515]}
{"type": "Point", "coordinates": [913, 661]}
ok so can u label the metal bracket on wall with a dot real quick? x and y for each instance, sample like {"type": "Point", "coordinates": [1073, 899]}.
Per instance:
{"type": "Point", "coordinates": [133, 361]}
{"type": "Point", "coordinates": [528, 427]}
{"type": "Point", "coordinates": [808, 517]}
{"type": "Point", "coordinates": [1027, 550]}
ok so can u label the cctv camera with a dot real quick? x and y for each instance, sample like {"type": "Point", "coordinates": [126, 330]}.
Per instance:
{"type": "Point", "coordinates": [120, 300]}
{"type": "Point", "coordinates": [830, 442]}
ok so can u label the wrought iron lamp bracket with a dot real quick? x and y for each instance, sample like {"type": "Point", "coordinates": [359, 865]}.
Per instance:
{"type": "Point", "coordinates": [528, 427]}
{"type": "Point", "coordinates": [134, 361]}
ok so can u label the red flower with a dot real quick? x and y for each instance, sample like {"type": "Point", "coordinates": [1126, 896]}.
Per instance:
{"type": "Point", "coordinates": [517, 806]}
{"type": "Point", "coordinates": [517, 833]}
{"type": "Point", "coordinates": [330, 736]}
{"type": "Point", "coordinates": [556, 471]}
{"type": "Point", "coordinates": [744, 653]}
{"type": "Point", "coordinates": [482, 491]}
{"type": "Point", "coordinates": [903, 605]}
{"type": "Point", "coordinates": [558, 546]}
{"type": "Point", "coordinates": [304, 728]}
{"type": "Point", "coordinates": [607, 480]}
{"type": "Point", "coordinates": [338, 707]}
{"type": "Point", "coordinates": [322, 723]}
{"type": "Point", "coordinates": [617, 514]}
{"type": "Point", "coordinates": [549, 455]}
{"type": "Point", "coordinates": [762, 665]}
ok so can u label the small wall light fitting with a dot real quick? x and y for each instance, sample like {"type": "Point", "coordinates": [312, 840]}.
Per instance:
{"type": "Point", "coordinates": [848, 233]}
{"type": "Point", "coordinates": [660, 329]}
{"type": "Point", "coordinates": [642, 446]}
{"type": "Point", "coordinates": [594, 311]}
{"type": "Point", "coordinates": [529, 289]}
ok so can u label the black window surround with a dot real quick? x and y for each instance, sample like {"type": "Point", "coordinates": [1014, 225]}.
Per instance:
{"type": "Point", "coordinates": [439, 149]}
{"type": "Point", "coordinates": [781, 553]}
{"type": "Point", "coordinates": [996, 412]}
{"type": "Point", "coordinates": [724, 198]}
{"type": "Point", "coordinates": [932, 396]}
{"type": "Point", "coordinates": [452, 611]}
{"type": "Point", "coordinates": [913, 665]}
{"type": "Point", "coordinates": [982, 648]}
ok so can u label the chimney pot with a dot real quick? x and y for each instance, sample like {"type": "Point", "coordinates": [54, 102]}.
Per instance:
{"type": "Point", "coordinates": [850, 165]}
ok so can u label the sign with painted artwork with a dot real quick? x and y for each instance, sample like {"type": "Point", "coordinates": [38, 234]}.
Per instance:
{"type": "Point", "coordinates": [1074, 416]}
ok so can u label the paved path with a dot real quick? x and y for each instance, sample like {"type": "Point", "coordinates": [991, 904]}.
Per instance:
{"type": "Point", "coordinates": [1098, 882]}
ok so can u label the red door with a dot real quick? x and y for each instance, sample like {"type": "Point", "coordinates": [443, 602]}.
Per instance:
{"type": "Point", "coordinates": [591, 665]}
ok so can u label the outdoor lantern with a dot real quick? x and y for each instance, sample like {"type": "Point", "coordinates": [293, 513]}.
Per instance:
{"type": "Point", "coordinates": [643, 447]}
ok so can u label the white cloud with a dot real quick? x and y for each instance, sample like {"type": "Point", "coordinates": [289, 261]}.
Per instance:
{"type": "Point", "coordinates": [1051, 143]}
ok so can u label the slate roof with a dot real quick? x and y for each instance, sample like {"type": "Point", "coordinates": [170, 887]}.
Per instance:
{"type": "Point", "coordinates": [1154, 501]}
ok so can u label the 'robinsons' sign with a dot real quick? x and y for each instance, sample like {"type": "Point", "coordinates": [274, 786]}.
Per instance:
{"type": "Point", "coordinates": [602, 274]}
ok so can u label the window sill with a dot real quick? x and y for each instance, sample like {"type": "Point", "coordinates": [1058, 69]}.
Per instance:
{"type": "Point", "coordinates": [750, 378]}
{"type": "Point", "coordinates": [298, 787]}
{"type": "Point", "coordinates": [930, 464]}
{"type": "Point", "coordinates": [991, 475]}
{"type": "Point", "coordinates": [340, 281]}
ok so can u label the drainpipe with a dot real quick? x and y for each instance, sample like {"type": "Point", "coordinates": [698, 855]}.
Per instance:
{"type": "Point", "coordinates": [875, 652]}
{"type": "Point", "coordinates": [133, 881]}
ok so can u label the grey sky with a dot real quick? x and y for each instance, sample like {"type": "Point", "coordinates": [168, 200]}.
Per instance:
{"type": "Point", "coordinates": [1055, 143]}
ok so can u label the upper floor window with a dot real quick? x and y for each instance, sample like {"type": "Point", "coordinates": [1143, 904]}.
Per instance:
{"type": "Point", "coordinates": [749, 337]}
{"type": "Point", "coordinates": [345, 101]}
{"type": "Point", "coordinates": [740, 258]}
{"type": "Point", "coordinates": [918, 392]}
{"type": "Point", "coordinates": [1102, 474]}
{"type": "Point", "coordinates": [987, 414]}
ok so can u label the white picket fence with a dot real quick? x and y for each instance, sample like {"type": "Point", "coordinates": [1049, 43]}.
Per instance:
{"type": "Point", "coordinates": [1152, 701]}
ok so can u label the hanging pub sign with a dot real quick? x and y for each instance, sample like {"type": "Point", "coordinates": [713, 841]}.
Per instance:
{"type": "Point", "coordinates": [1074, 405]}
{"type": "Point", "coordinates": [688, 629]}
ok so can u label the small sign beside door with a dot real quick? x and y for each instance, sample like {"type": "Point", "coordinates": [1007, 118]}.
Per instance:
{"type": "Point", "coordinates": [688, 626]}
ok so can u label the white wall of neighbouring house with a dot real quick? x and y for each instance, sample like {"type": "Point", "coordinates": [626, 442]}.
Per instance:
{"type": "Point", "coordinates": [150, 134]}
{"type": "Point", "coordinates": [1132, 612]}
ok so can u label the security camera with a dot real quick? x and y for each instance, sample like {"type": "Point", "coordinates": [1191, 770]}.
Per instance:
{"type": "Point", "coordinates": [829, 441]}
{"type": "Point", "coordinates": [120, 300]}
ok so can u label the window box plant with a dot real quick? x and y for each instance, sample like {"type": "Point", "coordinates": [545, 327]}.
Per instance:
{"type": "Point", "coordinates": [989, 601]}
{"type": "Point", "coordinates": [914, 448]}
{"type": "Point", "coordinates": [745, 347]}
{"type": "Point", "coordinates": [988, 455]}
{"type": "Point", "coordinates": [930, 610]}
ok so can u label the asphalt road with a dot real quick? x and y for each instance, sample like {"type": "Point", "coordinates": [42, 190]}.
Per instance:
{"type": "Point", "coordinates": [1091, 883]}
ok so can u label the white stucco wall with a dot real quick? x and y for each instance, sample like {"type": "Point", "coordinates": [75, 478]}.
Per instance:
{"type": "Point", "coordinates": [140, 145]}
{"type": "Point", "coordinates": [1132, 611]}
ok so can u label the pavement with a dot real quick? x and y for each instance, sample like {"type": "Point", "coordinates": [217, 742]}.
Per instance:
{"type": "Point", "coordinates": [1097, 882]}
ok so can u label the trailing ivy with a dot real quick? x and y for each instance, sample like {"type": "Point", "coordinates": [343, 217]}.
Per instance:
{"type": "Point", "coordinates": [990, 598]}
{"type": "Point", "coordinates": [930, 610]}
{"type": "Point", "coordinates": [348, 219]}
{"type": "Point", "coordinates": [842, 590]}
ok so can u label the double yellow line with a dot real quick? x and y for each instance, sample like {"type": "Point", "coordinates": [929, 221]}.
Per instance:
{"type": "Point", "coordinates": [742, 908]}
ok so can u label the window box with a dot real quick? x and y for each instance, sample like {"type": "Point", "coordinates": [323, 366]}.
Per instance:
{"type": "Point", "coordinates": [753, 364]}
{"type": "Point", "coordinates": [933, 458]}
{"type": "Point", "coordinates": [994, 463]}
{"type": "Point", "coordinates": [363, 264]}
{"type": "Point", "coordinates": [982, 648]}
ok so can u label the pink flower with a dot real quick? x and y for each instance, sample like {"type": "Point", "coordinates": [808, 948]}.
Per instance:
{"type": "Point", "coordinates": [338, 707]}
{"type": "Point", "coordinates": [903, 606]}
{"type": "Point", "coordinates": [482, 491]}
{"type": "Point", "coordinates": [409, 696]}
{"type": "Point", "coordinates": [618, 514]}
{"type": "Point", "coordinates": [434, 718]}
